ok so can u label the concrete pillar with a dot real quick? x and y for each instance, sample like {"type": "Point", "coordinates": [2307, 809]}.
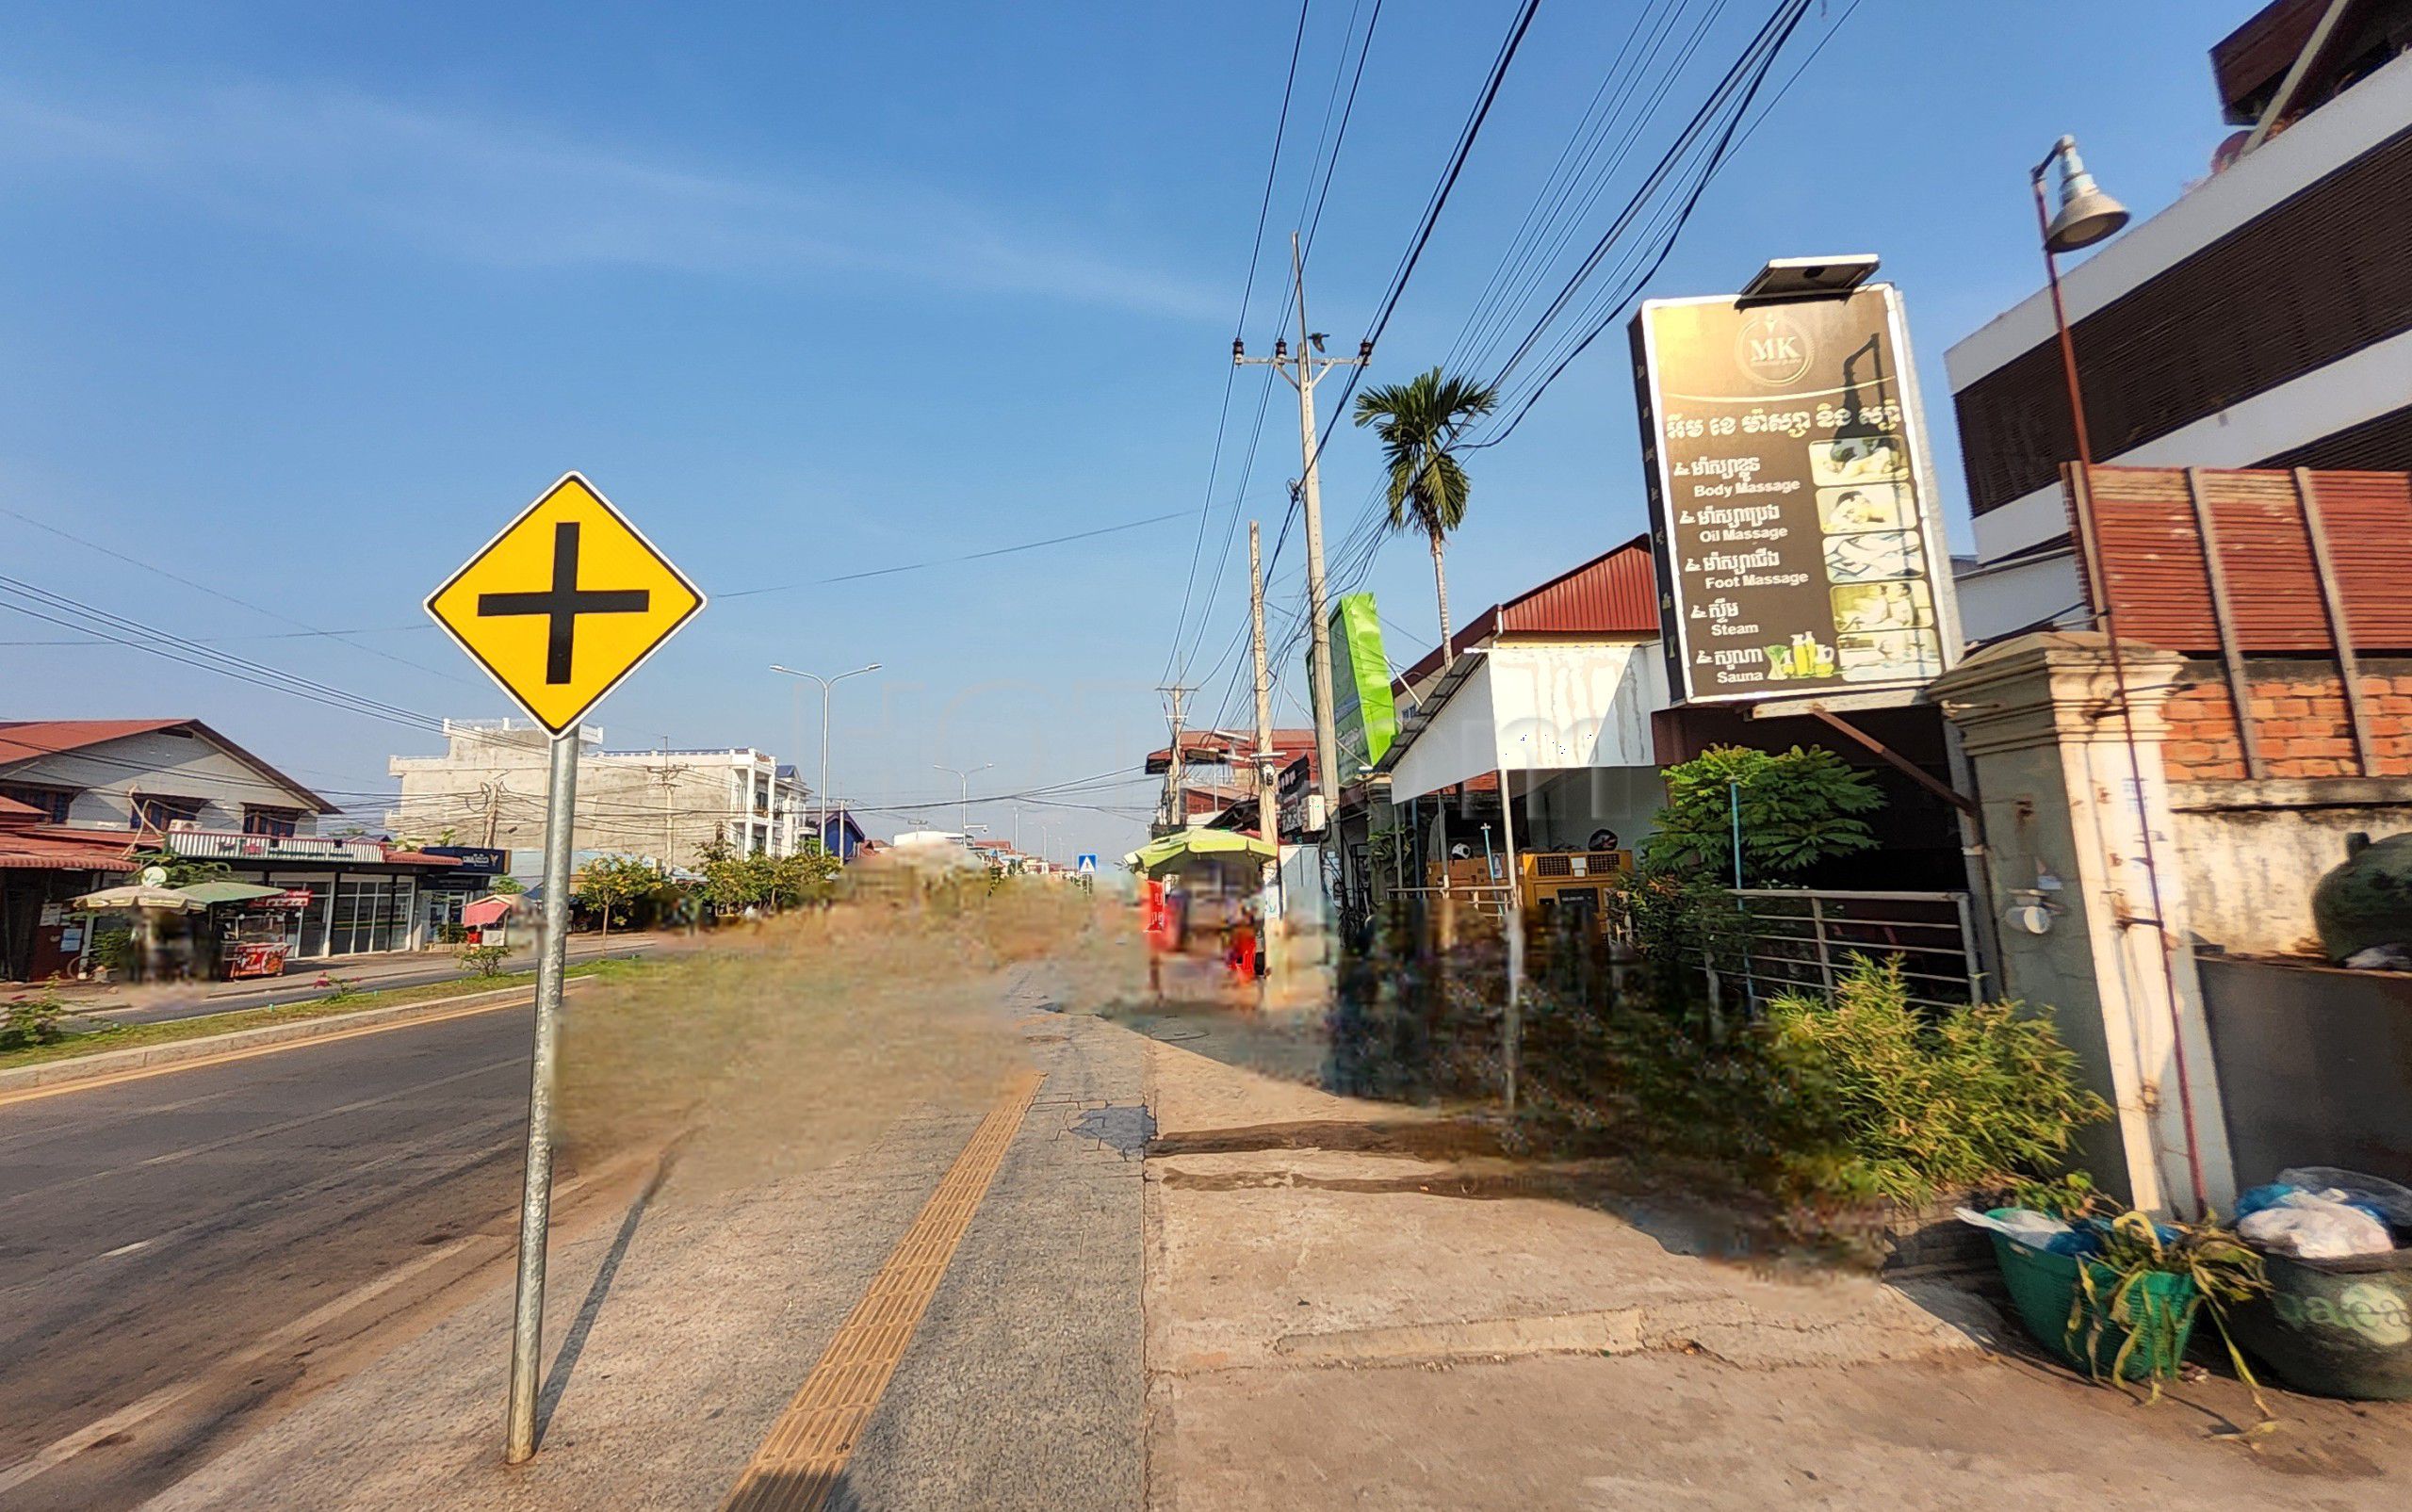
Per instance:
{"type": "Point", "coordinates": [2066, 806]}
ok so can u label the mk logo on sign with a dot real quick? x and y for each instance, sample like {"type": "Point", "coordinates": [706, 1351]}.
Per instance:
{"type": "Point", "coordinates": [1772, 349]}
{"type": "Point", "coordinates": [564, 603]}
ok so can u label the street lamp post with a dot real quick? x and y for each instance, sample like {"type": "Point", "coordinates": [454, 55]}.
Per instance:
{"type": "Point", "coordinates": [963, 810]}
{"type": "Point", "coordinates": [2086, 215]}
{"type": "Point", "coordinates": [821, 796]}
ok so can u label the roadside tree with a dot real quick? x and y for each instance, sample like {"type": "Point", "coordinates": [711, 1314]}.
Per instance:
{"type": "Point", "coordinates": [611, 883]}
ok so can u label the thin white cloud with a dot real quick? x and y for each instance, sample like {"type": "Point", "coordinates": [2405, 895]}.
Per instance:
{"type": "Point", "coordinates": [512, 194]}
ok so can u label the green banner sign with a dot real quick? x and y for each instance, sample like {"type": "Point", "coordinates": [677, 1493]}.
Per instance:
{"type": "Point", "coordinates": [1361, 706]}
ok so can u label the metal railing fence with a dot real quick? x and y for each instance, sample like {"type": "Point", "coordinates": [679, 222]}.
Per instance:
{"type": "Point", "coordinates": [1805, 939]}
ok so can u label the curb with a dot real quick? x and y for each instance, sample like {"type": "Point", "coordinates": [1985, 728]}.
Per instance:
{"type": "Point", "coordinates": [142, 1057]}
{"type": "Point", "coordinates": [233, 1003]}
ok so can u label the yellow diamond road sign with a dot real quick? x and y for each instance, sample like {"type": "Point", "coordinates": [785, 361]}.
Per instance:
{"type": "Point", "coordinates": [564, 603]}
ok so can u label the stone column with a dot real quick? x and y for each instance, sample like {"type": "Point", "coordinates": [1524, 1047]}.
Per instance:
{"type": "Point", "coordinates": [2064, 816]}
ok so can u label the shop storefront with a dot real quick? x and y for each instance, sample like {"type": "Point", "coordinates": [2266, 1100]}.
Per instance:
{"type": "Point", "coordinates": [444, 896]}
{"type": "Point", "coordinates": [364, 896]}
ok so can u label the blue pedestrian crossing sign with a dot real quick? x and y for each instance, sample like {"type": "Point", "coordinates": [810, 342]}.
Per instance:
{"type": "Point", "coordinates": [1086, 865]}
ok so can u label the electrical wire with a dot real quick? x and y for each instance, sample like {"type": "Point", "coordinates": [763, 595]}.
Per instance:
{"type": "Point", "coordinates": [241, 603]}
{"type": "Point", "coordinates": [948, 561]}
{"type": "Point", "coordinates": [1248, 293]}
{"type": "Point", "coordinates": [1787, 19]}
{"type": "Point", "coordinates": [1434, 204]}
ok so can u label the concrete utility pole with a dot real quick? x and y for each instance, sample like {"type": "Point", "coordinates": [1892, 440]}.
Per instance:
{"type": "Point", "coordinates": [1312, 366]}
{"type": "Point", "coordinates": [1268, 796]}
{"type": "Point", "coordinates": [1176, 811]}
{"type": "Point", "coordinates": [669, 780]}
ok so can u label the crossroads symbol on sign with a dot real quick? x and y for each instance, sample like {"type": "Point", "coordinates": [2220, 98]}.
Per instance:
{"type": "Point", "coordinates": [564, 603]}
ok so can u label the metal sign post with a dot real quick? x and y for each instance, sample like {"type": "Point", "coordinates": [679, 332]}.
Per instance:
{"type": "Point", "coordinates": [536, 1194]}
{"type": "Point", "coordinates": [558, 608]}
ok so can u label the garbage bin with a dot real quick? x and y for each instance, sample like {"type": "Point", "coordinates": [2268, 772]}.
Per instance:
{"type": "Point", "coordinates": [2336, 1327]}
{"type": "Point", "coordinates": [2044, 1289]}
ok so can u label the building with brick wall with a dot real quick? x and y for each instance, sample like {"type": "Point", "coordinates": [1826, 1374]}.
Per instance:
{"type": "Point", "coordinates": [2262, 321]}
{"type": "Point", "coordinates": [2300, 717]}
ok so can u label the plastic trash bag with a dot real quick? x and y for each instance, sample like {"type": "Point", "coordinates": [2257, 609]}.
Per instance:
{"type": "Point", "coordinates": [2313, 1226]}
{"type": "Point", "coordinates": [2036, 1230]}
{"type": "Point", "coordinates": [2097, 1229]}
{"type": "Point", "coordinates": [2252, 1199]}
{"type": "Point", "coordinates": [2389, 1200]}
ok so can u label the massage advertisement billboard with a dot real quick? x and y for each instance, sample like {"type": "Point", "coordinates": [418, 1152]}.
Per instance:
{"type": "Point", "coordinates": [1799, 544]}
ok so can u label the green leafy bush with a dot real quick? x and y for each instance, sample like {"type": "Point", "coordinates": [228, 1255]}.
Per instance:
{"type": "Point", "coordinates": [1678, 923]}
{"type": "Point", "coordinates": [33, 1021]}
{"type": "Point", "coordinates": [608, 884]}
{"type": "Point", "coordinates": [484, 960]}
{"type": "Point", "coordinates": [1817, 1103]}
{"type": "Point", "coordinates": [1798, 809]}
{"type": "Point", "coordinates": [114, 950]}
{"type": "Point", "coordinates": [1922, 1103]}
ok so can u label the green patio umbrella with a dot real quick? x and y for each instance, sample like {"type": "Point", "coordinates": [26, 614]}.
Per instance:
{"type": "Point", "coordinates": [1168, 848]}
{"type": "Point", "coordinates": [207, 893]}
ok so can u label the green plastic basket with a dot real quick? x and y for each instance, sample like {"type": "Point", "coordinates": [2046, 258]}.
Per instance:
{"type": "Point", "coordinates": [2044, 1288]}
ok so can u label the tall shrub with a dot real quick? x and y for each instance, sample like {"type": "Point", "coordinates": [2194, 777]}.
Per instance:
{"type": "Point", "coordinates": [1920, 1103]}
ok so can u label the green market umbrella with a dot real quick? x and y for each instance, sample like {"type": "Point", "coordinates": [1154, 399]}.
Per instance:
{"type": "Point", "coordinates": [205, 893]}
{"type": "Point", "coordinates": [1168, 848]}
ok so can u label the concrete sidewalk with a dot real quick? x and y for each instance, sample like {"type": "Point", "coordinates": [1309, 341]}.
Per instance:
{"type": "Point", "coordinates": [1349, 1305]}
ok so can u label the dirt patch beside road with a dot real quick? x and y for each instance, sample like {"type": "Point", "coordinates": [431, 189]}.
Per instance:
{"type": "Point", "coordinates": [791, 1045]}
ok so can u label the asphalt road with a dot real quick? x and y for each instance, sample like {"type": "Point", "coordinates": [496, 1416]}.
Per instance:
{"type": "Point", "coordinates": [153, 1228]}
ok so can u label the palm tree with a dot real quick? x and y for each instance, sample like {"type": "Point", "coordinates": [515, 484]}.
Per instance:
{"type": "Point", "coordinates": [1418, 421]}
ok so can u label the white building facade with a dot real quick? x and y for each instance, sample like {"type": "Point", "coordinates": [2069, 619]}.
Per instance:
{"type": "Point", "coordinates": [667, 804]}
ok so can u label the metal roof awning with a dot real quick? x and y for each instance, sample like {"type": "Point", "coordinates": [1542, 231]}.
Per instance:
{"type": "Point", "coordinates": [227, 892]}
{"type": "Point", "coordinates": [1530, 707]}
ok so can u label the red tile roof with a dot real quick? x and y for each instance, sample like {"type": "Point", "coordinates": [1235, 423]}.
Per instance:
{"type": "Point", "coordinates": [35, 850]}
{"type": "Point", "coordinates": [1615, 594]}
{"type": "Point", "coordinates": [30, 739]}
{"type": "Point", "coordinates": [24, 740]}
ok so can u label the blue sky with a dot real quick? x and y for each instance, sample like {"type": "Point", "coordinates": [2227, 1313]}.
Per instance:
{"type": "Point", "coordinates": [305, 302]}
